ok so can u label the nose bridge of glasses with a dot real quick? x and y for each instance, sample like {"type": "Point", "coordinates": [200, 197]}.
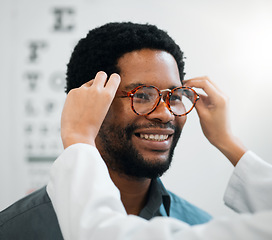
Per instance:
{"type": "Point", "coordinates": [165, 90]}
{"type": "Point", "coordinates": [164, 93]}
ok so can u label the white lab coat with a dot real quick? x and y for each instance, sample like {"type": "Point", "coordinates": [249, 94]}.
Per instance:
{"type": "Point", "coordinates": [88, 204]}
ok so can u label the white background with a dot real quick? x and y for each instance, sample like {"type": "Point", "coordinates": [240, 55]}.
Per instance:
{"type": "Point", "coordinates": [229, 41]}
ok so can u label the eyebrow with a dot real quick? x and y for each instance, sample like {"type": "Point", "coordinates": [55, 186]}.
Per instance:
{"type": "Point", "coordinates": [134, 85]}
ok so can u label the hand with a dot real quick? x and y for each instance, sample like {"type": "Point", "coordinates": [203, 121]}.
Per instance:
{"type": "Point", "coordinates": [85, 109]}
{"type": "Point", "coordinates": [212, 110]}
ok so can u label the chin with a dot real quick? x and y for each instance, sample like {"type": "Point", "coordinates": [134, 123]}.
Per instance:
{"type": "Point", "coordinates": [156, 157]}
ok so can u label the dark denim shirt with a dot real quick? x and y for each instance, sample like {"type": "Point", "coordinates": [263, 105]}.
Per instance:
{"type": "Point", "coordinates": [33, 217]}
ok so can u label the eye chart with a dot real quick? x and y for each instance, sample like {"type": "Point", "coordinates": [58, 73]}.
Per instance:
{"type": "Point", "coordinates": [43, 38]}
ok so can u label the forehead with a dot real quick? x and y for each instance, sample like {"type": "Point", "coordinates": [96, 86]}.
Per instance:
{"type": "Point", "coordinates": [150, 67]}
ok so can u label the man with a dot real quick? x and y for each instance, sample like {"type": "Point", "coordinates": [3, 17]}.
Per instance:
{"type": "Point", "coordinates": [139, 133]}
{"type": "Point", "coordinates": [99, 214]}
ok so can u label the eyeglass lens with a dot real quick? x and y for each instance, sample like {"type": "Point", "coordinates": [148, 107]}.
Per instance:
{"type": "Point", "coordinates": [145, 99]}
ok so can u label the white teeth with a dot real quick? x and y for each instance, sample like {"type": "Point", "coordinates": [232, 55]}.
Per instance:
{"type": "Point", "coordinates": [153, 137]}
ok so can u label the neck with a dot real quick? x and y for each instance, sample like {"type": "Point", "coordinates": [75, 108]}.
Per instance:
{"type": "Point", "coordinates": [133, 191]}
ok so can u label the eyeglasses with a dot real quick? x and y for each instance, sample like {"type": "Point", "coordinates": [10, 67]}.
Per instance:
{"type": "Point", "coordinates": [145, 99]}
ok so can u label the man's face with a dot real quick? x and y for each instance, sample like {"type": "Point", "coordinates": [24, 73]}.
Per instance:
{"type": "Point", "coordinates": [128, 142]}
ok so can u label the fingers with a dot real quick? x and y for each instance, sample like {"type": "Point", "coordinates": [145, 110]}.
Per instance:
{"type": "Point", "coordinates": [100, 81]}
{"type": "Point", "coordinates": [88, 84]}
{"type": "Point", "coordinates": [205, 84]}
{"type": "Point", "coordinates": [199, 81]}
{"type": "Point", "coordinates": [113, 83]}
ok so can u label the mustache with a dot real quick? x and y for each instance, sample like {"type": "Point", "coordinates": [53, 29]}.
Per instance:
{"type": "Point", "coordinates": [131, 128]}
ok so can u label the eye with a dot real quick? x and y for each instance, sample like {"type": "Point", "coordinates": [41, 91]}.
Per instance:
{"type": "Point", "coordinates": [145, 95]}
{"type": "Point", "coordinates": [141, 96]}
{"type": "Point", "coordinates": [187, 93]}
{"type": "Point", "coordinates": [176, 98]}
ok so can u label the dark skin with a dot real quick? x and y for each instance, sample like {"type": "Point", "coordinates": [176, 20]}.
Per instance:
{"type": "Point", "coordinates": [151, 68]}
{"type": "Point", "coordinates": [93, 103]}
{"type": "Point", "coordinates": [133, 193]}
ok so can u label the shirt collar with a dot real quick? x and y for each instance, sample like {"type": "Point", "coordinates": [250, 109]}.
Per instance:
{"type": "Point", "coordinates": [157, 196]}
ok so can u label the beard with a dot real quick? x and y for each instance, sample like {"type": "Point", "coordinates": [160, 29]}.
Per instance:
{"type": "Point", "coordinates": [118, 152]}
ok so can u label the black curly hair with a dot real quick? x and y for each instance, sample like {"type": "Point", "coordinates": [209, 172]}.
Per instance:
{"type": "Point", "coordinates": [101, 49]}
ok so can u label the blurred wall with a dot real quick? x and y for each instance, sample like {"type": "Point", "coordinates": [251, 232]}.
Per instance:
{"type": "Point", "coordinates": [230, 41]}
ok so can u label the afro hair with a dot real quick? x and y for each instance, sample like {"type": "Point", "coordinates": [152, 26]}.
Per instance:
{"type": "Point", "coordinates": [103, 46]}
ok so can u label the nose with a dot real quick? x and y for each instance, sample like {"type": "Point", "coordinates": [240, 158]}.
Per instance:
{"type": "Point", "coordinates": [161, 113]}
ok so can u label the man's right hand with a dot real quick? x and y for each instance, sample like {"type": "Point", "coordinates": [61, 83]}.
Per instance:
{"type": "Point", "coordinates": [85, 109]}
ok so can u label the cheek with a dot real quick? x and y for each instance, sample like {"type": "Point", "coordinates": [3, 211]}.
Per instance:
{"type": "Point", "coordinates": [181, 121]}
{"type": "Point", "coordinates": [120, 112]}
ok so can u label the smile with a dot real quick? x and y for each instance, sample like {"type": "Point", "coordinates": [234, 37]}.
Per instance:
{"type": "Point", "coordinates": [154, 137]}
